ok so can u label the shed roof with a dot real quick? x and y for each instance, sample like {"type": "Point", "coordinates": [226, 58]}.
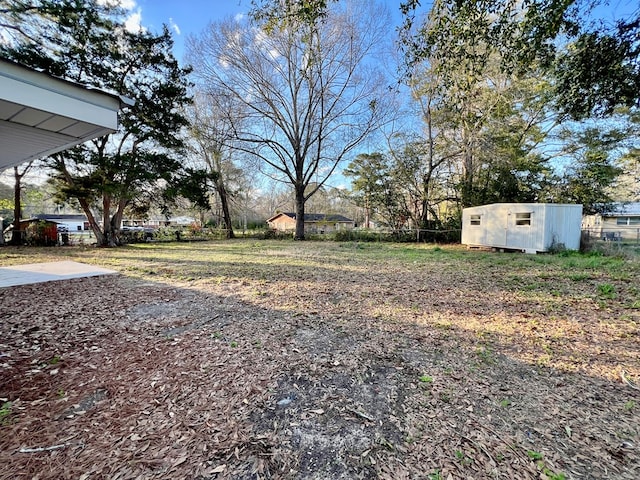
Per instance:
{"type": "Point", "coordinates": [41, 115]}
{"type": "Point", "coordinates": [56, 216]}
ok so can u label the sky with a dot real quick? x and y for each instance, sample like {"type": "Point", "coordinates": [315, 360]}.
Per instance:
{"type": "Point", "coordinates": [185, 17]}
{"type": "Point", "coordinates": [190, 17]}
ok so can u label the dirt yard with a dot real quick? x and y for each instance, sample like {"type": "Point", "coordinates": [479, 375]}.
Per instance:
{"type": "Point", "coordinates": [280, 360]}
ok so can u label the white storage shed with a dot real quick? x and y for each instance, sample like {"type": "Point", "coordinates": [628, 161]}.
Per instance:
{"type": "Point", "coordinates": [529, 227]}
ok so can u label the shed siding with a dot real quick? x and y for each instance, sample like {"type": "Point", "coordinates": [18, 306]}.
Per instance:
{"type": "Point", "coordinates": [532, 227]}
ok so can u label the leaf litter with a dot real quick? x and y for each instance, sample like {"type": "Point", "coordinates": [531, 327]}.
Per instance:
{"type": "Point", "coordinates": [313, 361]}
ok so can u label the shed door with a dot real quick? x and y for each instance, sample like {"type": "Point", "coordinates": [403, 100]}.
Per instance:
{"type": "Point", "coordinates": [519, 229]}
{"type": "Point", "coordinates": [496, 227]}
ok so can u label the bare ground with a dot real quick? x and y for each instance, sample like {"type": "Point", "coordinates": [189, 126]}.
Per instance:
{"type": "Point", "coordinates": [322, 361]}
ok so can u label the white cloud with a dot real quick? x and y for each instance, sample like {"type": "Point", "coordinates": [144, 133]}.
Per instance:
{"type": "Point", "coordinates": [174, 26]}
{"type": "Point", "coordinates": [126, 4]}
{"type": "Point", "coordinates": [133, 22]}
{"type": "Point", "coordinates": [239, 17]}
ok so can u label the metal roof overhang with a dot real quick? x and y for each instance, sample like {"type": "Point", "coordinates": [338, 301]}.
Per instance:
{"type": "Point", "coordinates": [41, 115]}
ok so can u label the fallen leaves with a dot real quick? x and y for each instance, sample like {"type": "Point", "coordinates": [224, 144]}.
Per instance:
{"type": "Point", "coordinates": [358, 364]}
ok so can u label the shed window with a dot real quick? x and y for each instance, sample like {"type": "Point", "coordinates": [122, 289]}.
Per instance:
{"type": "Point", "coordinates": [523, 218]}
{"type": "Point", "coordinates": [475, 219]}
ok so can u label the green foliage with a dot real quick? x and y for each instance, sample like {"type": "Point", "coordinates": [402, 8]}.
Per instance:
{"type": "Point", "coordinates": [5, 411]}
{"type": "Point", "coordinates": [606, 290]}
{"type": "Point", "coordinates": [375, 189]}
{"type": "Point", "coordinates": [588, 181]}
{"type": "Point", "coordinates": [539, 459]}
{"type": "Point", "coordinates": [533, 455]}
{"type": "Point", "coordinates": [597, 72]}
{"type": "Point", "coordinates": [54, 360]}
{"type": "Point", "coordinates": [87, 42]}
{"type": "Point", "coordinates": [272, 14]}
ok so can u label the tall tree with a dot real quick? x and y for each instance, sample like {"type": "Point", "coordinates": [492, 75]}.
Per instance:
{"type": "Point", "coordinates": [86, 41]}
{"type": "Point", "coordinates": [17, 234]}
{"type": "Point", "coordinates": [378, 188]}
{"type": "Point", "coordinates": [212, 118]}
{"type": "Point", "coordinates": [368, 171]}
{"type": "Point", "coordinates": [310, 95]}
{"type": "Point", "coordinates": [592, 172]}
{"type": "Point", "coordinates": [596, 64]}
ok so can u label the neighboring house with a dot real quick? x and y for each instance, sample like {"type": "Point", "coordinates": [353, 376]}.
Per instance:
{"type": "Point", "coordinates": [72, 223]}
{"type": "Point", "coordinates": [313, 222]}
{"type": "Point", "coordinates": [528, 227]}
{"type": "Point", "coordinates": [155, 222]}
{"type": "Point", "coordinates": [621, 223]}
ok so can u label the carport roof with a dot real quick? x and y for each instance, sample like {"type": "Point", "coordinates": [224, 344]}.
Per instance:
{"type": "Point", "coordinates": [41, 115]}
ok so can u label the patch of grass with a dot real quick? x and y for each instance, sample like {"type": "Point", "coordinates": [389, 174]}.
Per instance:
{"type": "Point", "coordinates": [606, 290]}
{"type": "Point", "coordinates": [5, 411]}
{"type": "Point", "coordinates": [444, 325]}
{"type": "Point", "coordinates": [233, 344]}
{"type": "Point", "coordinates": [533, 455]}
{"type": "Point", "coordinates": [579, 277]}
{"type": "Point", "coordinates": [426, 379]}
{"type": "Point", "coordinates": [54, 360]}
{"type": "Point", "coordinates": [485, 355]}
{"type": "Point", "coordinates": [463, 458]}
{"type": "Point", "coordinates": [630, 405]}
{"type": "Point", "coordinates": [550, 474]}
{"type": "Point", "coordinates": [505, 403]}
{"type": "Point", "coordinates": [445, 397]}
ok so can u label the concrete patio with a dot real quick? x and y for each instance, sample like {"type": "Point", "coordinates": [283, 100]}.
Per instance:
{"type": "Point", "coordinates": [48, 272]}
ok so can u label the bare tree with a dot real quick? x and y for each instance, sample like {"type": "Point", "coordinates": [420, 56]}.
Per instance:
{"type": "Point", "coordinates": [311, 90]}
{"type": "Point", "coordinates": [212, 135]}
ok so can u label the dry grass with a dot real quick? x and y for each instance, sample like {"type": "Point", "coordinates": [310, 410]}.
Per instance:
{"type": "Point", "coordinates": [288, 360]}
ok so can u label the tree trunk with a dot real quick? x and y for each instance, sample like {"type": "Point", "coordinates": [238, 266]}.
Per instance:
{"type": "Point", "coordinates": [466, 194]}
{"type": "Point", "coordinates": [97, 231]}
{"type": "Point", "coordinates": [224, 201]}
{"type": "Point", "coordinates": [300, 200]}
{"type": "Point", "coordinates": [107, 240]}
{"type": "Point", "coordinates": [16, 235]}
{"type": "Point", "coordinates": [367, 212]}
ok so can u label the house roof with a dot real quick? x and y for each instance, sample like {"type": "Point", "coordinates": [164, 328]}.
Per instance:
{"type": "Point", "coordinates": [41, 115]}
{"type": "Point", "coordinates": [315, 217]}
{"type": "Point", "coordinates": [623, 209]}
{"type": "Point", "coordinates": [56, 216]}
